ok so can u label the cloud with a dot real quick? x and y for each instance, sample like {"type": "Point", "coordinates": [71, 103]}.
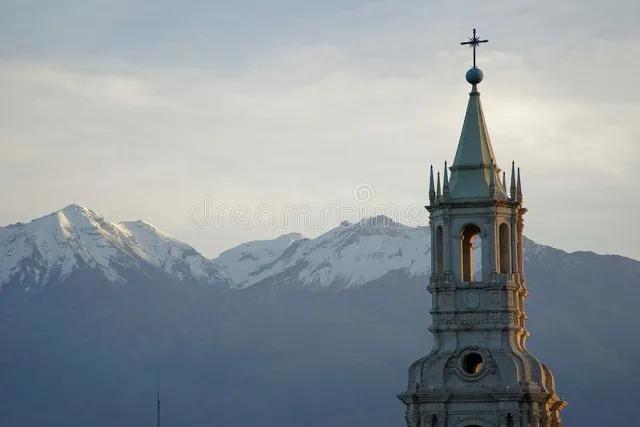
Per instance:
{"type": "Point", "coordinates": [369, 93]}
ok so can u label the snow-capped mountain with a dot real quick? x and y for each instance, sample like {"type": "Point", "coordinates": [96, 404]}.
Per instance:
{"type": "Point", "coordinates": [346, 256]}
{"type": "Point", "coordinates": [52, 247]}
{"type": "Point", "coordinates": [263, 334]}
{"type": "Point", "coordinates": [241, 262]}
{"type": "Point", "coordinates": [171, 255]}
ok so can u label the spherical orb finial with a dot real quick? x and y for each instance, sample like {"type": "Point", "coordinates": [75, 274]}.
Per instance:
{"type": "Point", "coordinates": [474, 76]}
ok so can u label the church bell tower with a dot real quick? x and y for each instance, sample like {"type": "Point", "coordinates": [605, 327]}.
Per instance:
{"type": "Point", "coordinates": [479, 373]}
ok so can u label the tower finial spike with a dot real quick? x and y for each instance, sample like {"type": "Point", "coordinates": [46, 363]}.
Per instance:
{"type": "Point", "coordinates": [504, 181]}
{"type": "Point", "coordinates": [438, 192]}
{"type": "Point", "coordinates": [512, 190]}
{"type": "Point", "coordinates": [519, 187]}
{"type": "Point", "coordinates": [445, 180]}
{"type": "Point", "coordinates": [432, 192]}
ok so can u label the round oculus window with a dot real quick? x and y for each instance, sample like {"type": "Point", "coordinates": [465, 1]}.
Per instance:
{"type": "Point", "coordinates": [472, 364]}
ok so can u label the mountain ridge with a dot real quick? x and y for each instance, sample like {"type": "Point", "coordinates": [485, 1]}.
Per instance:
{"type": "Point", "coordinates": [86, 352]}
{"type": "Point", "coordinates": [48, 248]}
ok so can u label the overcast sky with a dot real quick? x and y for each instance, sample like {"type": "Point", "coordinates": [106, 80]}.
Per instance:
{"type": "Point", "coordinates": [153, 109]}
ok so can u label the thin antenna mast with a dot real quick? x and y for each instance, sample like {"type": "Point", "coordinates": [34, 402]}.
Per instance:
{"type": "Point", "coordinates": [158, 402]}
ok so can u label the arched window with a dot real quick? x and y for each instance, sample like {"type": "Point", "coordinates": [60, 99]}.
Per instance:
{"type": "Point", "coordinates": [439, 250]}
{"type": "Point", "coordinates": [509, 420]}
{"type": "Point", "coordinates": [471, 244]}
{"type": "Point", "coordinates": [505, 248]}
{"type": "Point", "coordinates": [477, 258]}
{"type": "Point", "coordinates": [434, 421]}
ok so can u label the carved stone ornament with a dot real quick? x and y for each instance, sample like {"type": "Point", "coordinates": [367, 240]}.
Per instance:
{"type": "Point", "coordinates": [472, 299]}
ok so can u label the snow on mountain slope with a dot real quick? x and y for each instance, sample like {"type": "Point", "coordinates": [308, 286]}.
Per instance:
{"type": "Point", "coordinates": [240, 262]}
{"type": "Point", "coordinates": [346, 256]}
{"type": "Point", "coordinates": [52, 247]}
{"type": "Point", "coordinates": [173, 256]}
{"type": "Point", "coordinates": [55, 245]}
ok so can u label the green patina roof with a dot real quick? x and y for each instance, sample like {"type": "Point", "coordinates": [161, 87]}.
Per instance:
{"type": "Point", "coordinates": [474, 162]}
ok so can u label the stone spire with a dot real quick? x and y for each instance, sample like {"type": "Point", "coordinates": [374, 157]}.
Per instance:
{"type": "Point", "coordinates": [512, 191]}
{"type": "Point", "coordinates": [432, 192]}
{"type": "Point", "coordinates": [445, 181]}
{"type": "Point", "coordinates": [519, 187]}
{"type": "Point", "coordinates": [472, 170]}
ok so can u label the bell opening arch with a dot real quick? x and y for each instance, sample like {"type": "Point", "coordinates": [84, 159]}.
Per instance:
{"type": "Point", "coordinates": [470, 249]}
{"type": "Point", "coordinates": [504, 245]}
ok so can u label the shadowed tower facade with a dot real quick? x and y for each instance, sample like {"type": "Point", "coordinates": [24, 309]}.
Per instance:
{"type": "Point", "coordinates": [479, 372]}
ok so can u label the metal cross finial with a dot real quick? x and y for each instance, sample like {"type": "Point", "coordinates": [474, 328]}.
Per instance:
{"type": "Point", "coordinates": [474, 42]}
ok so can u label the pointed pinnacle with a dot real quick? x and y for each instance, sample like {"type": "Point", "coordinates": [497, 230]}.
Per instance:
{"type": "Point", "coordinates": [445, 183]}
{"type": "Point", "coordinates": [432, 193]}
{"type": "Point", "coordinates": [519, 187]}
{"type": "Point", "coordinates": [512, 191]}
{"type": "Point", "coordinates": [438, 192]}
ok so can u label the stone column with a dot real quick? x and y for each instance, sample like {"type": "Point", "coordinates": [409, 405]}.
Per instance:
{"type": "Point", "coordinates": [514, 245]}
{"type": "Point", "coordinates": [520, 249]}
{"type": "Point", "coordinates": [493, 256]}
{"type": "Point", "coordinates": [432, 227]}
{"type": "Point", "coordinates": [446, 244]}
